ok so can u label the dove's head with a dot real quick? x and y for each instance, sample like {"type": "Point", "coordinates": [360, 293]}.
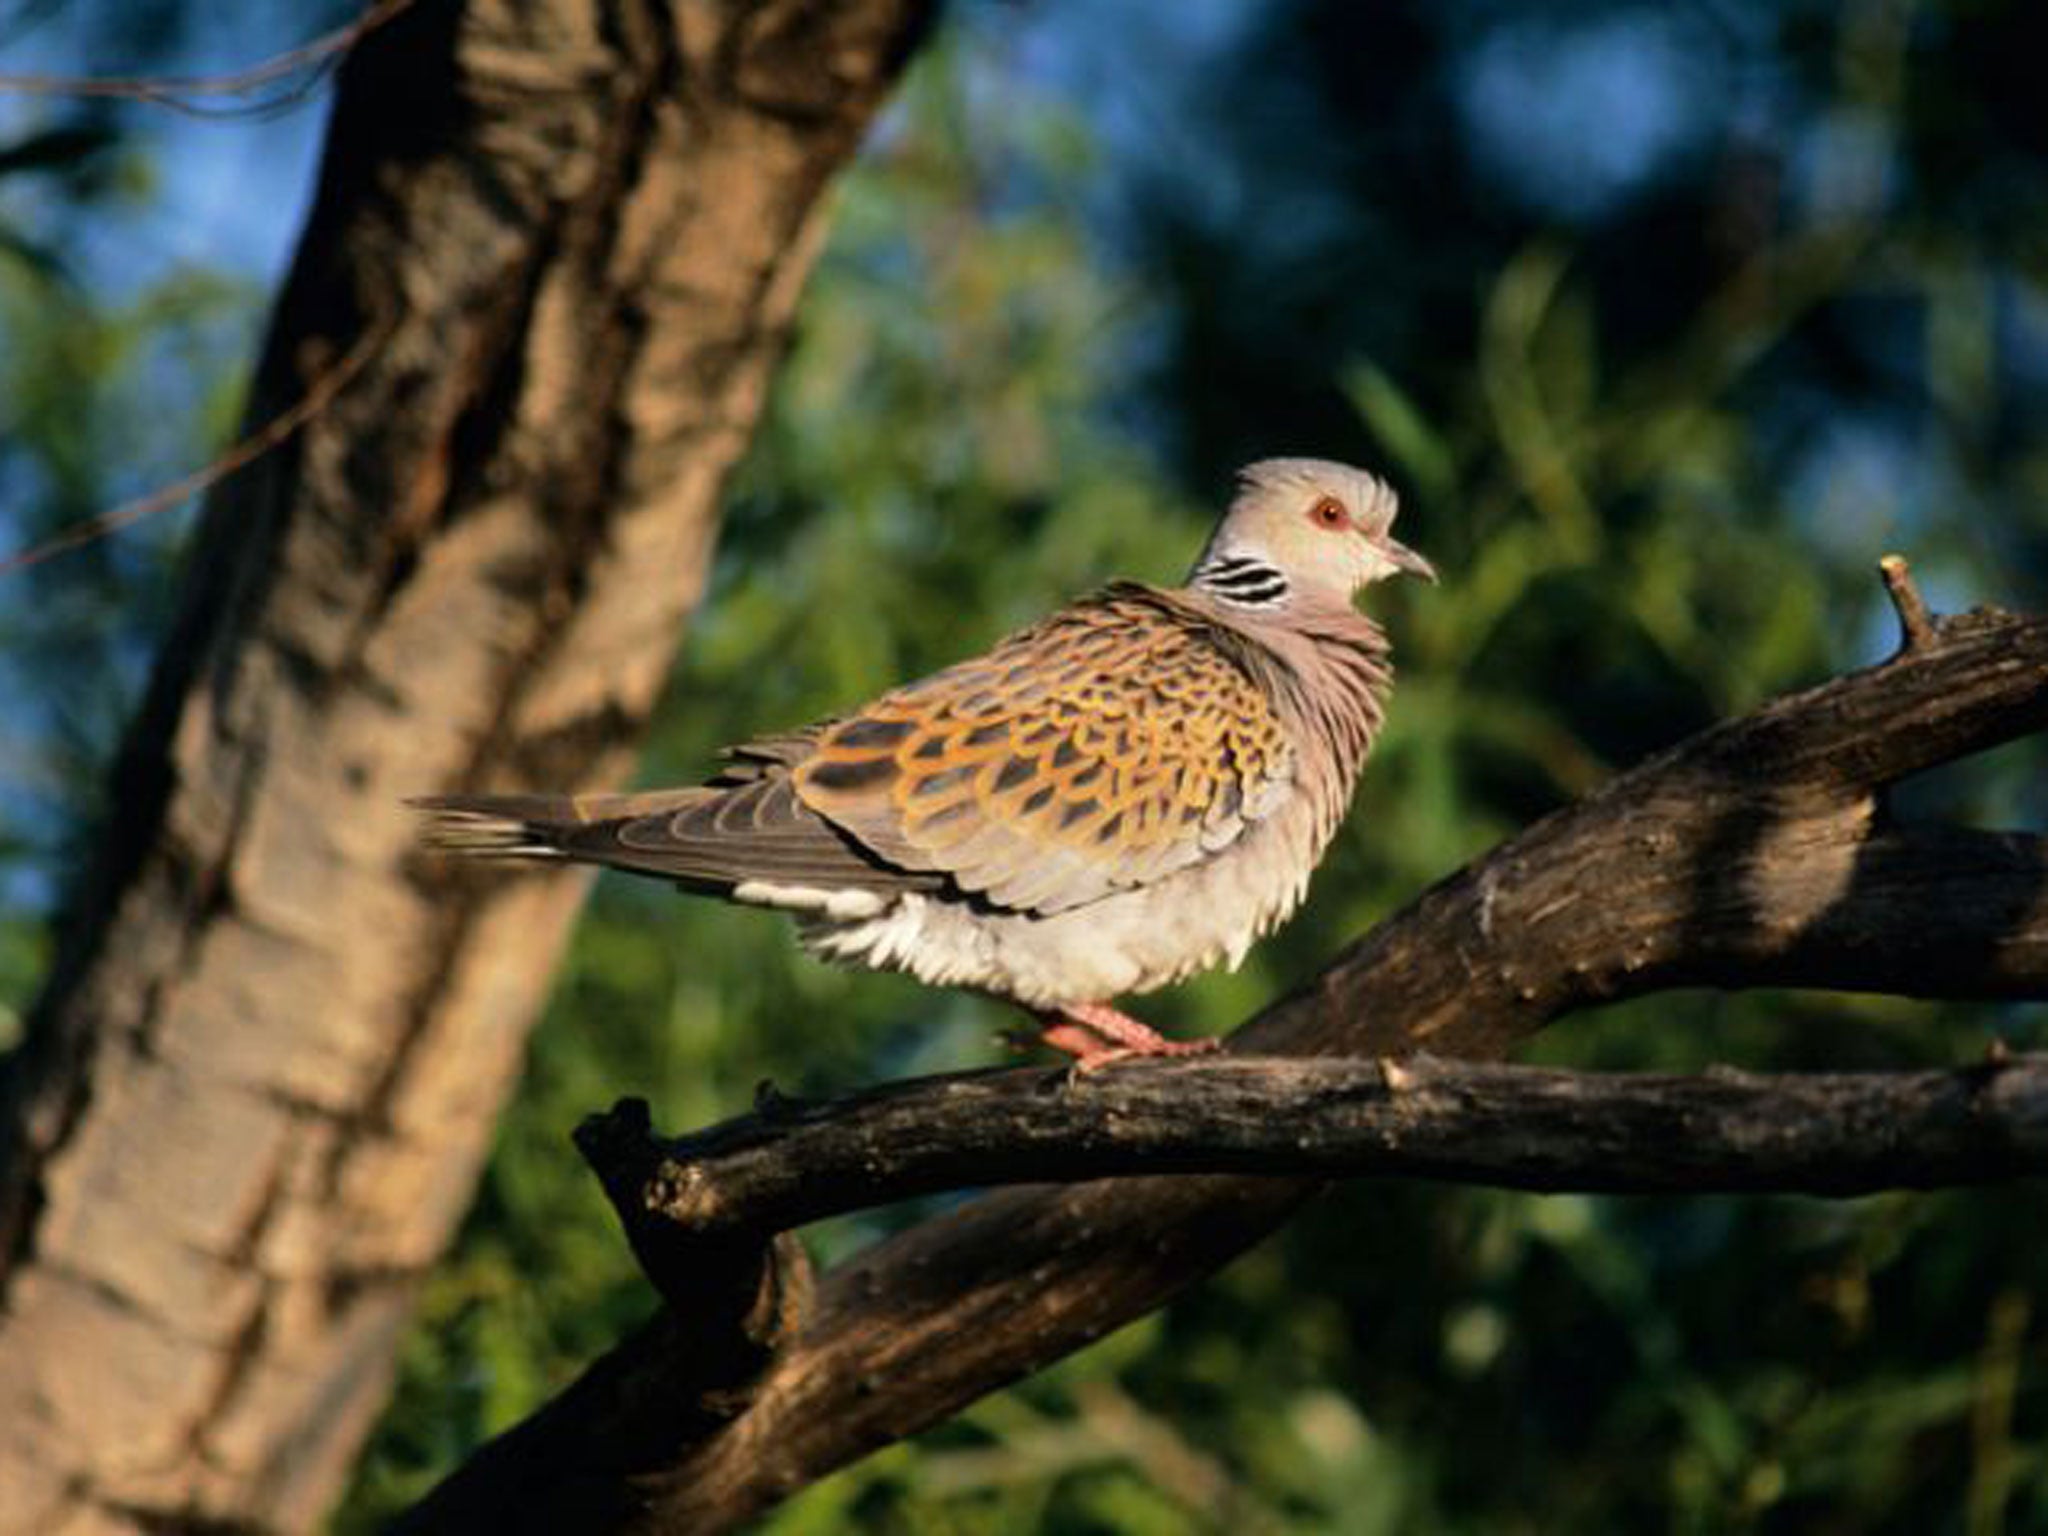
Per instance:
{"type": "Point", "coordinates": [1305, 525]}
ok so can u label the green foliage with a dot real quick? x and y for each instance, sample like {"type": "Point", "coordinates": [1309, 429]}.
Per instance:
{"type": "Point", "coordinates": [97, 404]}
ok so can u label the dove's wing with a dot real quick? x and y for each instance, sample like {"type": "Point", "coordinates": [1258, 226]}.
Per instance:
{"type": "Point", "coordinates": [1122, 739]}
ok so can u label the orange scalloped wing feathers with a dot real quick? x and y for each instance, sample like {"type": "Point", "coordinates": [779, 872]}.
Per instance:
{"type": "Point", "coordinates": [1118, 741]}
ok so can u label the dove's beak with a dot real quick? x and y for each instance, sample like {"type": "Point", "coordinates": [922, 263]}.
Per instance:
{"type": "Point", "coordinates": [1404, 558]}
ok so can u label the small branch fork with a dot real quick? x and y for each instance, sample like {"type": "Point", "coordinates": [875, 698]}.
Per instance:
{"type": "Point", "coordinates": [1757, 853]}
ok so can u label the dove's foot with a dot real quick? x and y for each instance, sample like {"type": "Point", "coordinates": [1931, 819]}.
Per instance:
{"type": "Point", "coordinates": [1095, 1035]}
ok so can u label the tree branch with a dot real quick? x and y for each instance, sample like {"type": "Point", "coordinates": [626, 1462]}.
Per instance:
{"type": "Point", "coordinates": [1756, 853]}
{"type": "Point", "coordinates": [1420, 1117]}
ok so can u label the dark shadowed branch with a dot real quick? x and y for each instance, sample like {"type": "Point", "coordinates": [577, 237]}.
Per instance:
{"type": "Point", "coordinates": [1758, 853]}
{"type": "Point", "coordinates": [1537, 1128]}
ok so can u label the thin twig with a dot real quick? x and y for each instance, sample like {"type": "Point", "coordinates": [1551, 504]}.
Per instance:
{"type": "Point", "coordinates": [175, 91]}
{"type": "Point", "coordinates": [320, 394]}
{"type": "Point", "coordinates": [1916, 624]}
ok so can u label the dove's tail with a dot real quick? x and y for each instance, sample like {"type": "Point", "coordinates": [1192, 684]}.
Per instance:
{"type": "Point", "coordinates": [728, 840]}
{"type": "Point", "coordinates": [580, 827]}
{"type": "Point", "coordinates": [498, 826]}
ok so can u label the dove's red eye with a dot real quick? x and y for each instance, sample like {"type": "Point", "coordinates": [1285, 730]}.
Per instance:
{"type": "Point", "coordinates": [1328, 512]}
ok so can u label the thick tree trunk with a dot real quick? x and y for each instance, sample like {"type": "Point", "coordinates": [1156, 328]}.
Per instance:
{"type": "Point", "coordinates": [269, 1058]}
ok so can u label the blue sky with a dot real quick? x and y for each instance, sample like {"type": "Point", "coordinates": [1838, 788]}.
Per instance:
{"type": "Point", "coordinates": [223, 192]}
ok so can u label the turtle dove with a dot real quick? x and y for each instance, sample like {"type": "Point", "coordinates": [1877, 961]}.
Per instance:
{"type": "Point", "coordinates": [1127, 792]}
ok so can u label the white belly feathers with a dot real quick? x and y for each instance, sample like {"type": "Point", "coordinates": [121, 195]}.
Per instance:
{"type": "Point", "coordinates": [1131, 941]}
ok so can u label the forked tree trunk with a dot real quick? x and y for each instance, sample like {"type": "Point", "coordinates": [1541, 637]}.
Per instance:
{"type": "Point", "coordinates": [268, 1061]}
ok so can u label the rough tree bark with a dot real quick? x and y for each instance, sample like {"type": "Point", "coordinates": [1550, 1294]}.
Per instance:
{"type": "Point", "coordinates": [1760, 853]}
{"type": "Point", "coordinates": [265, 1068]}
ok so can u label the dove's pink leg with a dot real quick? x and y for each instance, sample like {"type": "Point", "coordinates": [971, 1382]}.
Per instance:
{"type": "Point", "coordinates": [1095, 1035]}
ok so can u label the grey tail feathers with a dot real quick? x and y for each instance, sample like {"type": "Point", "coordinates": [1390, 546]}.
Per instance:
{"type": "Point", "coordinates": [496, 826]}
